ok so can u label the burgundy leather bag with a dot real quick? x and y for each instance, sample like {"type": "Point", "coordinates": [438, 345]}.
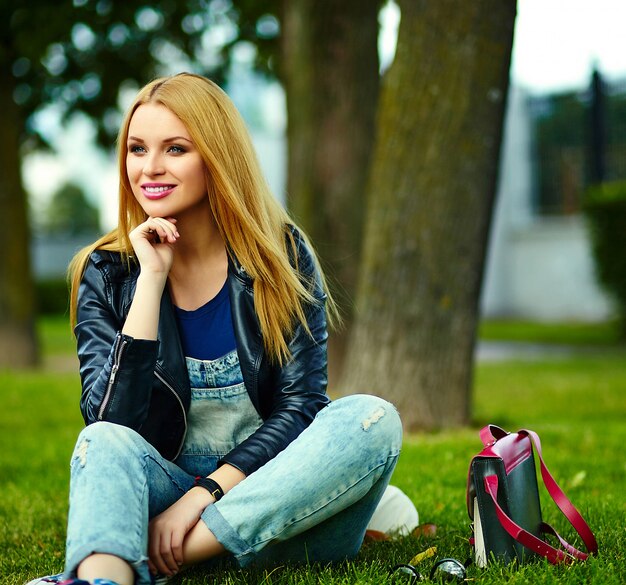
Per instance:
{"type": "Point", "coordinates": [503, 502]}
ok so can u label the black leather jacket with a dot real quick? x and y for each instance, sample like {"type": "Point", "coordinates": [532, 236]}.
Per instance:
{"type": "Point", "coordinates": [143, 384]}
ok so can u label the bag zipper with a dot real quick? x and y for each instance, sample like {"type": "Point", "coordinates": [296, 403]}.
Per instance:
{"type": "Point", "coordinates": [116, 366]}
{"type": "Point", "coordinates": [182, 408]}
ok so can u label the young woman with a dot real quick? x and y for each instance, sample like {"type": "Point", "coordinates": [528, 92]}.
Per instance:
{"type": "Point", "coordinates": [201, 332]}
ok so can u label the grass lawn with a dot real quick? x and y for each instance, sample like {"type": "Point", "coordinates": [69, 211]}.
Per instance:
{"type": "Point", "coordinates": [578, 406]}
{"type": "Point", "coordinates": [576, 333]}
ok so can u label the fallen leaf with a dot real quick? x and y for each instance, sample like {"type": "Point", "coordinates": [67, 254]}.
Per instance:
{"type": "Point", "coordinates": [425, 531]}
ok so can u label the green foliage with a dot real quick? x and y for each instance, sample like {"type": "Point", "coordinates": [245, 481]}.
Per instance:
{"type": "Point", "coordinates": [83, 51]}
{"type": "Point", "coordinates": [605, 207]}
{"type": "Point", "coordinates": [576, 405]}
{"type": "Point", "coordinates": [70, 213]}
{"type": "Point", "coordinates": [562, 142]}
{"type": "Point", "coordinates": [57, 338]}
{"type": "Point", "coordinates": [79, 54]}
{"type": "Point", "coordinates": [560, 152]}
{"type": "Point", "coordinates": [53, 297]}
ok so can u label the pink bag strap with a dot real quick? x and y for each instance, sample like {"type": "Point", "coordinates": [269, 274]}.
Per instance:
{"type": "Point", "coordinates": [530, 541]}
{"type": "Point", "coordinates": [571, 513]}
{"type": "Point", "coordinates": [489, 435]}
{"type": "Point", "coordinates": [547, 529]}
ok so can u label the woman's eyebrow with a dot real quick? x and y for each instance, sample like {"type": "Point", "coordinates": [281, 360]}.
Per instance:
{"type": "Point", "coordinates": [172, 139]}
{"type": "Point", "coordinates": [176, 139]}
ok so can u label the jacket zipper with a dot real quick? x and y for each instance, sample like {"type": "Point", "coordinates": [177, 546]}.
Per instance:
{"type": "Point", "coordinates": [182, 408]}
{"type": "Point", "coordinates": [114, 369]}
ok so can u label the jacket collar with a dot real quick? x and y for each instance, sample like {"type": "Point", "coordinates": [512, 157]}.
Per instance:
{"type": "Point", "coordinates": [236, 269]}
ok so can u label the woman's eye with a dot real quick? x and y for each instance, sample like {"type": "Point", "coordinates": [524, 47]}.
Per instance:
{"type": "Point", "coordinates": [136, 148]}
{"type": "Point", "coordinates": [175, 149]}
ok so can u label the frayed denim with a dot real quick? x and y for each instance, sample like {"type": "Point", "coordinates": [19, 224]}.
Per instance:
{"type": "Point", "coordinates": [312, 502]}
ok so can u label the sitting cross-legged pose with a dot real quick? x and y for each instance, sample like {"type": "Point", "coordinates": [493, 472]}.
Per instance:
{"type": "Point", "coordinates": [201, 326]}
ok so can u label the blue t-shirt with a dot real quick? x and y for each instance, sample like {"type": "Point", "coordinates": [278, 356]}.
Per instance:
{"type": "Point", "coordinates": [207, 333]}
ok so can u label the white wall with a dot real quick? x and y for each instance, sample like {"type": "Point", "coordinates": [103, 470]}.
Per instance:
{"type": "Point", "coordinates": [549, 274]}
{"type": "Point", "coordinates": [537, 268]}
{"type": "Point", "coordinates": [50, 255]}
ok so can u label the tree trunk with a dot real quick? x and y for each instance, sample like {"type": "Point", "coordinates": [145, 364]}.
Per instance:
{"type": "Point", "coordinates": [18, 346]}
{"type": "Point", "coordinates": [330, 72]}
{"type": "Point", "coordinates": [431, 194]}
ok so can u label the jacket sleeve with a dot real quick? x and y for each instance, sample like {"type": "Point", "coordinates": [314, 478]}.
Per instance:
{"type": "Point", "coordinates": [116, 370]}
{"type": "Point", "coordinates": [298, 388]}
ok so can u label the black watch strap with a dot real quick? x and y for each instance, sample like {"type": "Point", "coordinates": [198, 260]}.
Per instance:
{"type": "Point", "coordinates": [210, 485]}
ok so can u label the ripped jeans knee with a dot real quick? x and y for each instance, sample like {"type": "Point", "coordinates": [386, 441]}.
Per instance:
{"type": "Point", "coordinates": [111, 438]}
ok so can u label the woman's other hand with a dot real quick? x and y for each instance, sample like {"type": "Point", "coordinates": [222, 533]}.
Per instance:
{"type": "Point", "coordinates": [167, 531]}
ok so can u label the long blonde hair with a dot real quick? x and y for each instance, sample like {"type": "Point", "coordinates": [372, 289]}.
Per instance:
{"type": "Point", "coordinates": [252, 223]}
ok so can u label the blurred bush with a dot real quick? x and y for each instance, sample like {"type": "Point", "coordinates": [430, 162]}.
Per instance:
{"type": "Point", "coordinates": [605, 208]}
{"type": "Point", "coordinates": [70, 213]}
{"type": "Point", "coordinates": [53, 297]}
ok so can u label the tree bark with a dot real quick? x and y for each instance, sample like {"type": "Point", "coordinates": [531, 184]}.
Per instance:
{"type": "Point", "coordinates": [330, 73]}
{"type": "Point", "coordinates": [18, 345]}
{"type": "Point", "coordinates": [431, 195]}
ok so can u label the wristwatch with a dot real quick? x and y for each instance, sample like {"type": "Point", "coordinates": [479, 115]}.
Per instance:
{"type": "Point", "coordinates": [210, 485]}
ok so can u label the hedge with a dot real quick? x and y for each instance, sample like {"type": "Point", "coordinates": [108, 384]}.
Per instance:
{"type": "Point", "coordinates": [53, 296]}
{"type": "Point", "coordinates": [605, 208]}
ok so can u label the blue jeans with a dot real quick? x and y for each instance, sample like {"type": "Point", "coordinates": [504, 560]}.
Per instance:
{"type": "Point", "coordinates": [311, 502]}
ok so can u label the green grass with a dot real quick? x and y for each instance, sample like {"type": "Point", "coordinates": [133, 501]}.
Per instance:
{"type": "Point", "coordinates": [56, 335]}
{"type": "Point", "coordinates": [575, 333]}
{"type": "Point", "coordinates": [578, 406]}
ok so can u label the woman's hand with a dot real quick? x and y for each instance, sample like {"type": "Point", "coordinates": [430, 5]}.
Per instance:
{"type": "Point", "coordinates": [153, 242]}
{"type": "Point", "coordinates": [167, 531]}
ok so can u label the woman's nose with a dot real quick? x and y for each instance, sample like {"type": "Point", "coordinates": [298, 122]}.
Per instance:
{"type": "Point", "coordinates": [153, 165]}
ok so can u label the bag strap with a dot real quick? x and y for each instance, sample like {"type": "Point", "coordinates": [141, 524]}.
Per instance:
{"type": "Point", "coordinates": [491, 433]}
{"type": "Point", "coordinates": [556, 493]}
{"type": "Point", "coordinates": [529, 540]}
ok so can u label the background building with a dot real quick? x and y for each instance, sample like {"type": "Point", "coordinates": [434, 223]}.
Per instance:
{"type": "Point", "coordinates": [540, 264]}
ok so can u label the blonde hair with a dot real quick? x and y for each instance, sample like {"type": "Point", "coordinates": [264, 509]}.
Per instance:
{"type": "Point", "coordinates": [252, 223]}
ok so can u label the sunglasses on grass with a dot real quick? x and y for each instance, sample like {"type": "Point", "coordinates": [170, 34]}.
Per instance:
{"type": "Point", "coordinates": [443, 571]}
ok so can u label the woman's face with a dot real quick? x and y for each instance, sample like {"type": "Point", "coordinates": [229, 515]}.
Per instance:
{"type": "Point", "coordinates": [164, 169]}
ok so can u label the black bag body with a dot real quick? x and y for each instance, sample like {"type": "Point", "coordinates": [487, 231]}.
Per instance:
{"type": "Point", "coordinates": [503, 502]}
{"type": "Point", "coordinates": [518, 495]}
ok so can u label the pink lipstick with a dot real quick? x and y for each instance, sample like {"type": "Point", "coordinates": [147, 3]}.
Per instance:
{"type": "Point", "coordinates": [154, 191]}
